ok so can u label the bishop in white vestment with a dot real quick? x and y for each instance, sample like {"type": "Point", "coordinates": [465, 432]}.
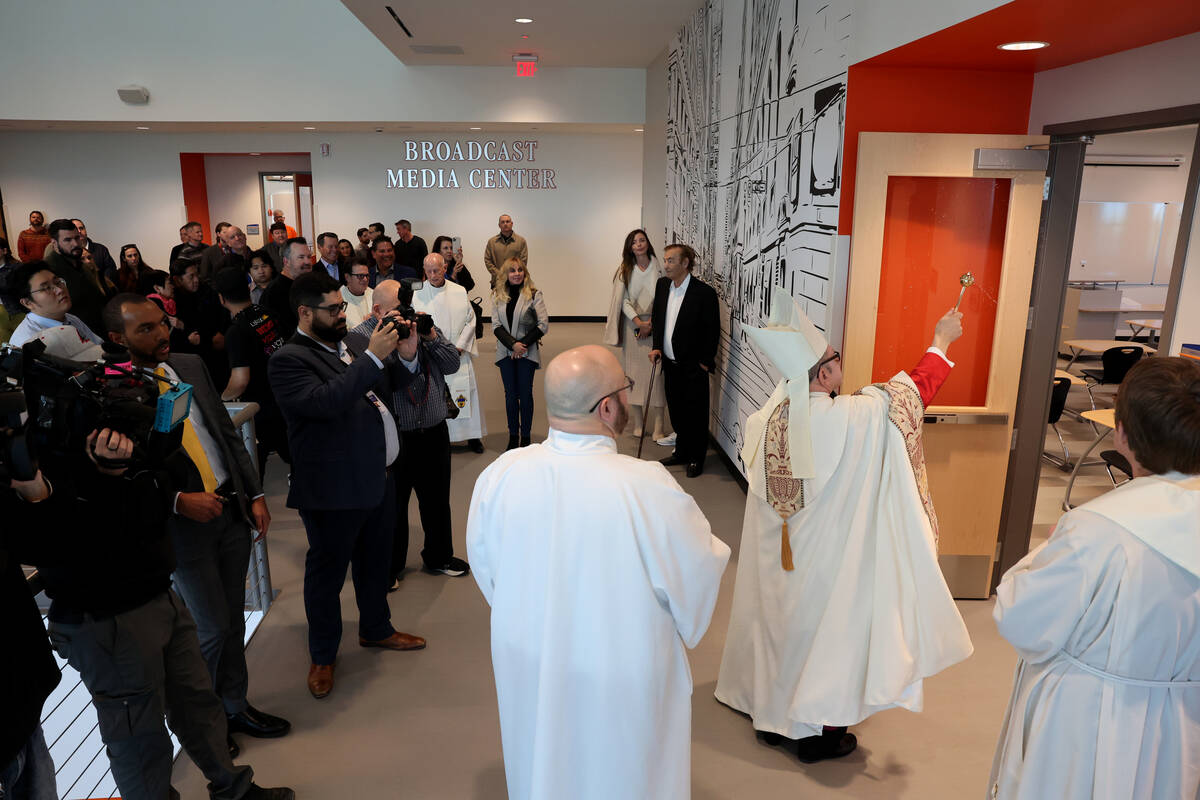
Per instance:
{"type": "Point", "coordinates": [840, 609]}
{"type": "Point", "coordinates": [451, 310]}
{"type": "Point", "coordinates": [600, 572]}
{"type": "Point", "coordinates": [1105, 617]}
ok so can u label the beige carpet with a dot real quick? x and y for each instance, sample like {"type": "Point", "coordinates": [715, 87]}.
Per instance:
{"type": "Point", "coordinates": [424, 724]}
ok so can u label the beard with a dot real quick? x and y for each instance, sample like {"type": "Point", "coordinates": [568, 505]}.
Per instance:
{"type": "Point", "coordinates": [330, 333]}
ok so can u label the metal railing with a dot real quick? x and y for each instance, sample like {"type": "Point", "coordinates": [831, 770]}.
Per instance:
{"type": "Point", "coordinates": [68, 719]}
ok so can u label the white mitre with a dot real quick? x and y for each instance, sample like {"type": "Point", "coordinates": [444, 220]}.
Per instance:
{"type": "Point", "coordinates": [793, 344]}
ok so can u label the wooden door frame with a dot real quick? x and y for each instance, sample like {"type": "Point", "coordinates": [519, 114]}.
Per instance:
{"type": "Point", "coordinates": [1050, 273]}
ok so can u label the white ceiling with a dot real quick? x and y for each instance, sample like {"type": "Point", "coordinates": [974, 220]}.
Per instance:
{"type": "Point", "coordinates": [564, 33]}
{"type": "Point", "coordinates": [464, 128]}
{"type": "Point", "coordinates": [1177, 140]}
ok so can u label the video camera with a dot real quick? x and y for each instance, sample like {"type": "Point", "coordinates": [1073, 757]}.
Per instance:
{"type": "Point", "coordinates": [423, 322]}
{"type": "Point", "coordinates": [49, 406]}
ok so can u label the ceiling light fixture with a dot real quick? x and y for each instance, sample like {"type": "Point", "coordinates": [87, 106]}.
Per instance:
{"type": "Point", "coordinates": [638, 130]}
{"type": "Point", "coordinates": [1023, 45]}
{"type": "Point", "coordinates": [522, 20]}
{"type": "Point", "coordinates": [143, 127]}
{"type": "Point", "coordinates": [256, 154]}
{"type": "Point", "coordinates": [309, 128]}
{"type": "Point", "coordinates": [476, 129]}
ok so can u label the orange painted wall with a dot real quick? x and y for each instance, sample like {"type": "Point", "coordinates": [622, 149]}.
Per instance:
{"type": "Point", "coordinates": [195, 190]}
{"type": "Point", "coordinates": [919, 100]}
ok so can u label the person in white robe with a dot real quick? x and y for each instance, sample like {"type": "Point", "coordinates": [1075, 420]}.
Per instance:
{"type": "Point", "coordinates": [840, 609]}
{"type": "Point", "coordinates": [358, 294]}
{"type": "Point", "coordinates": [628, 327]}
{"type": "Point", "coordinates": [451, 310]}
{"type": "Point", "coordinates": [1105, 617]}
{"type": "Point", "coordinates": [600, 571]}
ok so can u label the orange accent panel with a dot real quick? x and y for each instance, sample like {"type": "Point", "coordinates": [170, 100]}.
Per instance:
{"type": "Point", "coordinates": [908, 100]}
{"type": "Point", "coordinates": [195, 190]}
{"type": "Point", "coordinates": [935, 230]}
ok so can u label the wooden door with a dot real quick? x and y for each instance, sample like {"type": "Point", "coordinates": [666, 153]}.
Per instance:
{"type": "Point", "coordinates": [923, 216]}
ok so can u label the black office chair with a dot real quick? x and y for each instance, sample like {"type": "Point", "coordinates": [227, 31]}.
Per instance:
{"type": "Point", "coordinates": [1058, 401]}
{"type": "Point", "coordinates": [1114, 362]}
{"type": "Point", "coordinates": [1114, 460]}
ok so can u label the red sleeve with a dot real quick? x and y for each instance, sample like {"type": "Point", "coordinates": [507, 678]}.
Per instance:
{"type": "Point", "coordinates": [929, 374]}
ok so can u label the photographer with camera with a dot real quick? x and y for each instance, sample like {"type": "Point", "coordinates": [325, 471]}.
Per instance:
{"type": "Point", "coordinates": [113, 617]}
{"type": "Point", "coordinates": [344, 443]}
{"type": "Point", "coordinates": [210, 526]}
{"type": "Point", "coordinates": [419, 400]}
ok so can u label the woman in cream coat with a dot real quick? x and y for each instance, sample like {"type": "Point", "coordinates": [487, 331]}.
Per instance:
{"type": "Point", "coordinates": [519, 320]}
{"type": "Point", "coordinates": [629, 326]}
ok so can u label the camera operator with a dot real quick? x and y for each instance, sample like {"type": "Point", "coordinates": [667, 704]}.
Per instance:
{"type": "Point", "coordinates": [114, 618]}
{"type": "Point", "coordinates": [419, 403]}
{"type": "Point", "coordinates": [211, 522]}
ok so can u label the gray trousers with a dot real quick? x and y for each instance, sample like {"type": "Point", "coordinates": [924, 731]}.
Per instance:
{"type": "Point", "coordinates": [210, 576]}
{"type": "Point", "coordinates": [138, 666]}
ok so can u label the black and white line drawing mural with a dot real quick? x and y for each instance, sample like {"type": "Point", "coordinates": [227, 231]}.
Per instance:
{"type": "Point", "coordinates": [770, 162]}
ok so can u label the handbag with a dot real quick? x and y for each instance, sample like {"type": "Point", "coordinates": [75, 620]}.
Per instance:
{"type": "Point", "coordinates": [477, 307]}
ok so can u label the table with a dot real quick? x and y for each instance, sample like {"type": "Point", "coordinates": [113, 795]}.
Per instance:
{"type": "Point", "coordinates": [1071, 376]}
{"type": "Point", "coordinates": [1080, 346]}
{"type": "Point", "coordinates": [1139, 325]}
{"type": "Point", "coordinates": [1105, 420]}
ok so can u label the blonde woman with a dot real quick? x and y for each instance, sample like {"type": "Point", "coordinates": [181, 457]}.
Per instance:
{"type": "Point", "coordinates": [629, 326]}
{"type": "Point", "coordinates": [519, 320]}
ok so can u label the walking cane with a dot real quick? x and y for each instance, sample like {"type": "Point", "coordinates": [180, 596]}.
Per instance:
{"type": "Point", "coordinates": [646, 407]}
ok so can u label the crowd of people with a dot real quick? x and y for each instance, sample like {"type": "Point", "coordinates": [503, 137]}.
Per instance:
{"type": "Point", "coordinates": [361, 359]}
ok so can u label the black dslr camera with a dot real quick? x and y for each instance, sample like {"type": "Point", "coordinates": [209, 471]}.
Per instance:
{"type": "Point", "coordinates": [49, 406]}
{"type": "Point", "coordinates": [424, 322]}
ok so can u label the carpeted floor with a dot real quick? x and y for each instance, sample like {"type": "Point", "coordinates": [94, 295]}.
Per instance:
{"type": "Point", "coordinates": [424, 724]}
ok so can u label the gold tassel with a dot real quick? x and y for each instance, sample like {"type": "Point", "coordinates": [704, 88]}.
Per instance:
{"type": "Point", "coordinates": [785, 555]}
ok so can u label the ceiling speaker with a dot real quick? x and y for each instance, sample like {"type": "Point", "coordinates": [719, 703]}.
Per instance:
{"type": "Point", "coordinates": [138, 95]}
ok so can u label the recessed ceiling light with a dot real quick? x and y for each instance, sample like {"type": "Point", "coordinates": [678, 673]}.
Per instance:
{"type": "Point", "coordinates": [309, 128]}
{"type": "Point", "coordinates": [638, 130]}
{"type": "Point", "coordinates": [1024, 45]}
{"type": "Point", "coordinates": [523, 20]}
{"type": "Point", "coordinates": [256, 154]}
{"type": "Point", "coordinates": [143, 127]}
{"type": "Point", "coordinates": [476, 129]}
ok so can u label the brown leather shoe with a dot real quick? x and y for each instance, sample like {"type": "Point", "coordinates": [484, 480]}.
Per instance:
{"type": "Point", "coordinates": [320, 680]}
{"type": "Point", "coordinates": [397, 641]}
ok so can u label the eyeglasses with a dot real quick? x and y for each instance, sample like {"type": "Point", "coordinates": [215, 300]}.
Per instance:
{"type": "Point", "coordinates": [332, 308]}
{"type": "Point", "coordinates": [362, 275]}
{"type": "Point", "coordinates": [57, 283]}
{"type": "Point", "coordinates": [628, 385]}
{"type": "Point", "coordinates": [835, 357]}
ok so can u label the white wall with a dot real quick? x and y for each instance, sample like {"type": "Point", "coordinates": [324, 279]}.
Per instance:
{"type": "Point", "coordinates": [235, 192]}
{"type": "Point", "coordinates": [213, 61]}
{"type": "Point", "coordinates": [1160, 75]}
{"type": "Point", "coordinates": [128, 189]}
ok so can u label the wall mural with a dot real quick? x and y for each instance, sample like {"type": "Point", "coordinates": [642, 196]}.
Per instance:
{"type": "Point", "coordinates": [757, 98]}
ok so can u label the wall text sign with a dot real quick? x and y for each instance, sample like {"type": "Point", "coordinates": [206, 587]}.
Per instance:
{"type": "Point", "coordinates": [428, 152]}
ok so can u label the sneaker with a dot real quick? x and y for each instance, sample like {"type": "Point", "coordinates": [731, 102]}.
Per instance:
{"type": "Point", "coordinates": [454, 568]}
{"type": "Point", "coordinates": [666, 441]}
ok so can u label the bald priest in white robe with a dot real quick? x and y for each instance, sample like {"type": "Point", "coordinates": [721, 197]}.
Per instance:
{"type": "Point", "coordinates": [1105, 617]}
{"type": "Point", "coordinates": [447, 303]}
{"type": "Point", "coordinates": [600, 571]}
{"type": "Point", "coordinates": [840, 609]}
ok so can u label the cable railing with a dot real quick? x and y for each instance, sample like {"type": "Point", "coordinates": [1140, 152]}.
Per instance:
{"type": "Point", "coordinates": [69, 720]}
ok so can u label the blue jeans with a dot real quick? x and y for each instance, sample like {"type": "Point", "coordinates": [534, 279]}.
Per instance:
{"type": "Point", "coordinates": [30, 776]}
{"type": "Point", "coordinates": [517, 374]}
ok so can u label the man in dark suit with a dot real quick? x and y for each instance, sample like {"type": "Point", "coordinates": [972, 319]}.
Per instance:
{"type": "Point", "coordinates": [344, 441]}
{"type": "Point", "coordinates": [210, 527]}
{"type": "Point", "coordinates": [686, 324]}
{"type": "Point", "coordinates": [295, 260]}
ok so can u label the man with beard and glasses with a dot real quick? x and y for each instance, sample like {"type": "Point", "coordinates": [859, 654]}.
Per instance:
{"type": "Point", "coordinates": [596, 590]}
{"type": "Point", "coordinates": [344, 442]}
{"type": "Point", "coordinates": [84, 284]}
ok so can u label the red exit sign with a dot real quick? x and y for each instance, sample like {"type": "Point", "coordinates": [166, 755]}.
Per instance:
{"type": "Point", "coordinates": [526, 69]}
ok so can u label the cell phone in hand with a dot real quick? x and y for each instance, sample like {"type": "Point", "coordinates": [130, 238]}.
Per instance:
{"type": "Point", "coordinates": [457, 243]}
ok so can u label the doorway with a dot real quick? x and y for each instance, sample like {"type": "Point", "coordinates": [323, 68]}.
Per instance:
{"type": "Point", "coordinates": [289, 194]}
{"type": "Point", "coordinates": [1123, 188]}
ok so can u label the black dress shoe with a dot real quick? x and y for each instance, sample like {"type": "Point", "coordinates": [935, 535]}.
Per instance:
{"type": "Point", "coordinates": [234, 750]}
{"type": "Point", "coordinates": [671, 460]}
{"type": "Point", "coordinates": [513, 443]}
{"type": "Point", "coordinates": [256, 792]}
{"type": "Point", "coordinates": [695, 468]}
{"type": "Point", "coordinates": [475, 446]}
{"type": "Point", "coordinates": [830, 744]}
{"type": "Point", "coordinates": [258, 724]}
